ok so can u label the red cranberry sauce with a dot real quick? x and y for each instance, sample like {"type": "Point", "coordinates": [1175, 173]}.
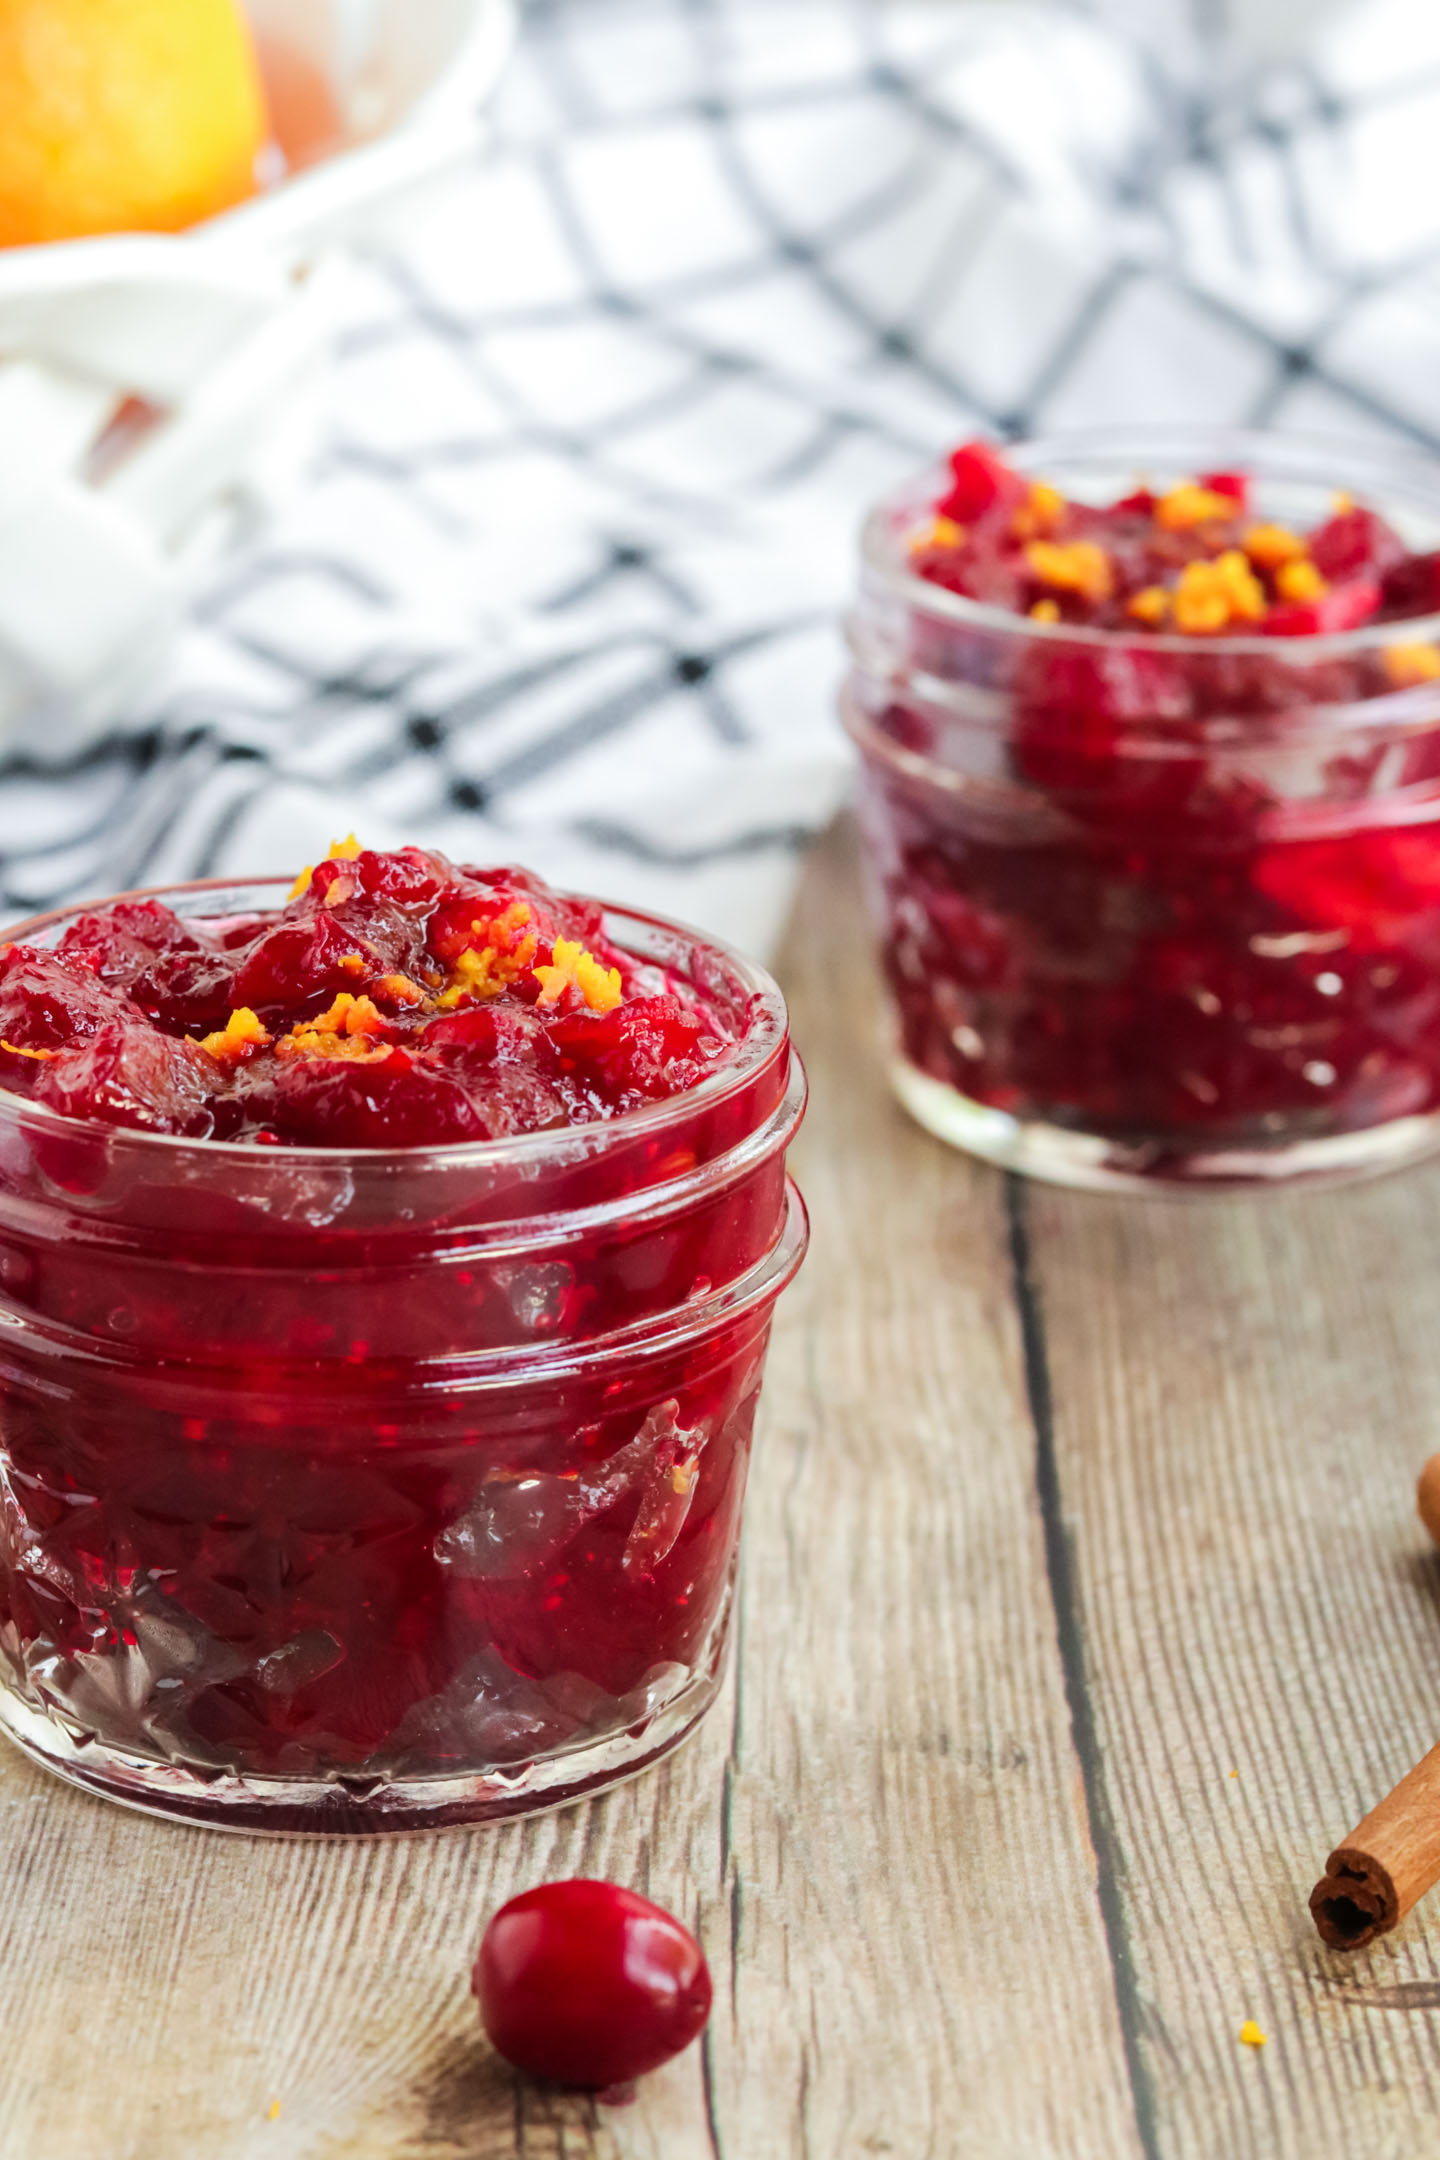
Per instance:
{"type": "Point", "coordinates": [396, 1002]}
{"type": "Point", "coordinates": [396, 1466]}
{"type": "Point", "coordinates": [1193, 559]}
{"type": "Point", "coordinates": [1176, 890]}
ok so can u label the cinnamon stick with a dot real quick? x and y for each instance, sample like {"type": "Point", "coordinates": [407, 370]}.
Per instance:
{"type": "Point", "coordinates": [1388, 1862]}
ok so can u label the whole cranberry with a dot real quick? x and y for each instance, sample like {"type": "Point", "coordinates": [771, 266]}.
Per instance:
{"type": "Point", "coordinates": [588, 1984]}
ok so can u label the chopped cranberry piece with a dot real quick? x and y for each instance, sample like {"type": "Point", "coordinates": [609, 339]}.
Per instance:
{"type": "Point", "coordinates": [131, 1076]}
{"type": "Point", "coordinates": [1412, 587]}
{"type": "Point", "coordinates": [45, 1004]}
{"type": "Point", "coordinates": [588, 1984]}
{"type": "Point", "coordinates": [1072, 701]}
{"type": "Point", "coordinates": [168, 971]}
{"type": "Point", "coordinates": [1356, 543]}
{"type": "Point", "coordinates": [979, 480]}
{"type": "Point", "coordinates": [1377, 886]}
{"type": "Point", "coordinates": [1344, 607]}
{"type": "Point", "coordinates": [1235, 485]}
{"type": "Point", "coordinates": [297, 965]}
{"type": "Point", "coordinates": [636, 1049]}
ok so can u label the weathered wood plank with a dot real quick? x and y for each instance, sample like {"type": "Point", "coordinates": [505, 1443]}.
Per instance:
{"type": "Point", "coordinates": [921, 1968]}
{"type": "Point", "coordinates": [1244, 1392]}
{"type": "Point", "coordinates": [881, 1831]}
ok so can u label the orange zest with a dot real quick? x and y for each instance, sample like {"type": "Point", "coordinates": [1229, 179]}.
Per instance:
{"type": "Point", "coordinates": [1150, 605]}
{"type": "Point", "coordinates": [941, 532]}
{"type": "Point", "coordinates": [1409, 665]}
{"type": "Point", "coordinates": [1269, 547]}
{"type": "Point", "coordinates": [1190, 505]}
{"type": "Point", "coordinates": [344, 850]}
{"type": "Point", "coordinates": [1040, 514]}
{"type": "Point", "coordinates": [243, 1034]}
{"type": "Point", "coordinates": [1300, 581]}
{"type": "Point", "coordinates": [348, 1029]}
{"type": "Point", "coordinates": [15, 1051]}
{"type": "Point", "coordinates": [1214, 596]}
{"type": "Point", "coordinates": [571, 966]}
{"type": "Point", "coordinates": [504, 948]}
{"type": "Point", "coordinates": [1077, 566]}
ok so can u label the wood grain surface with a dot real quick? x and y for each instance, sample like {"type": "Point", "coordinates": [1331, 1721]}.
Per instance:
{"type": "Point", "coordinates": [1063, 1509]}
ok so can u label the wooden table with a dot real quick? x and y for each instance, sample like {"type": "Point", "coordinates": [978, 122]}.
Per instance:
{"type": "Point", "coordinates": [1084, 1607]}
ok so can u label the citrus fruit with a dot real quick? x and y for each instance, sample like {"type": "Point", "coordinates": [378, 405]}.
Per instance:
{"type": "Point", "coordinates": [124, 115]}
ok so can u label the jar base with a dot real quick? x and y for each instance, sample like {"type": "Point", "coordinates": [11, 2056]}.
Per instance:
{"type": "Point", "coordinates": [1092, 1162]}
{"type": "Point", "coordinates": [358, 1807]}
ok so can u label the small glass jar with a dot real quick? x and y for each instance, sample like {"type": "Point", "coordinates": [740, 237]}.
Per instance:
{"type": "Point", "coordinates": [1156, 910]}
{"type": "Point", "coordinates": [385, 1489]}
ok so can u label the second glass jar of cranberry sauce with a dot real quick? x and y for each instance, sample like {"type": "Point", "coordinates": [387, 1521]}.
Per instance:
{"type": "Point", "coordinates": [1150, 745]}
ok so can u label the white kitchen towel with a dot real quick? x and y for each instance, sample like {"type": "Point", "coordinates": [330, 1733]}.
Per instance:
{"type": "Point", "coordinates": [563, 583]}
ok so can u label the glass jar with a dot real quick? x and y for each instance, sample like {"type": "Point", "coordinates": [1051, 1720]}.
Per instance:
{"type": "Point", "coordinates": [394, 1488]}
{"type": "Point", "coordinates": [1155, 910]}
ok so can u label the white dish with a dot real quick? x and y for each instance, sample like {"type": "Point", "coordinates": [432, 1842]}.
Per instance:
{"type": "Point", "coordinates": [105, 508]}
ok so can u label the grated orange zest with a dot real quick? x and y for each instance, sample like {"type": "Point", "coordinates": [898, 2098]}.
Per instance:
{"type": "Point", "coordinates": [1409, 665]}
{"type": "Point", "coordinates": [942, 532]}
{"type": "Point", "coordinates": [1040, 513]}
{"type": "Point", "coordinates": [1211, 596]}
{"type": "Point", "coordinates": [349, 1015]}
{"type": "Point", "coordinates": [1300, 581]}
{"type": "Point", "coordinates": [1187, 506]}
{"type": "Point", "coordinates": [344, 850]}
{"type": "Point", "coordinates": [243, 1032]}
{"type": "Point", "coordinates": [503, 951]}
{"type": "Point", "coordinates": [1150, 605]}
{"type": "Point", "coordinates": [571, 966]}
{"type": "Point", "coordinates": [1271, 546]}
{"type": "Point", "coordinates": [1077, 566]}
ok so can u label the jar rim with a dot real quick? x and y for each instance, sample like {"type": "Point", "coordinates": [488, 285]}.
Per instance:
{"type": "Point", "coordinates": [766, 1036]}
{"type": "Point", "coordinates": [1315, 459]}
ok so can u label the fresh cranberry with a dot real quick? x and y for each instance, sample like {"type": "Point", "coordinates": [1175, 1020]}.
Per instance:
{"type": "Point", "coordinates": [588, 1984]}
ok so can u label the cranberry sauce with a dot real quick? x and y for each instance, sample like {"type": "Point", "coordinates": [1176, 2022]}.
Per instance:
{"type": "Point", "coordinates": [1152, 849]}
{"type": "Point", "coordinates": [396, 1001]}
{"type": "Point", "coordinates": [369, 1471]}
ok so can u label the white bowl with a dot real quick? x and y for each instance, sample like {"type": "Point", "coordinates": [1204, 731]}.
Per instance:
{"type": "Point", "coordinates": [150, 383]}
